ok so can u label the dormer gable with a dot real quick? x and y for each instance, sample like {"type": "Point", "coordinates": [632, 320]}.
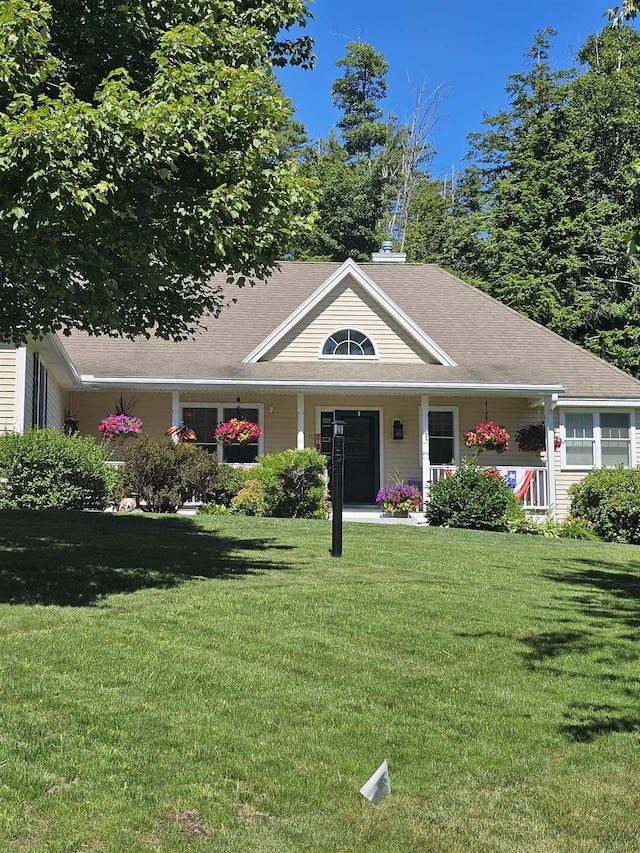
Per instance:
{"type": "Point", "coordinates": [349, 300]}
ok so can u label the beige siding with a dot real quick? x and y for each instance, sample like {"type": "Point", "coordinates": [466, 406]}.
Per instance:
{"type": "Point", "coordinates": [89, 408]}
{"type": "Point", "coordinates": [7, 387]}
{"type": "Point", "coordinates": [349, 306]}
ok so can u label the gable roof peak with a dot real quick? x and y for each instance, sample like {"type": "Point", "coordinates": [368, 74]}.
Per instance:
{"type": "Point", "coordinates": [352, 269]}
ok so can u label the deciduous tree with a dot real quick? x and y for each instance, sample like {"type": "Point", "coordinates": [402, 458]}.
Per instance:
{"type": "Point", "coordinates": [138, 156]}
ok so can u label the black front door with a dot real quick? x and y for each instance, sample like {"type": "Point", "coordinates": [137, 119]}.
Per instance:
{"type": "Point", "coordinates": [361, 456]}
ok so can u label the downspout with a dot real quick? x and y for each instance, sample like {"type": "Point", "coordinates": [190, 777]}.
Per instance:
{"type": "Point", "coordinates": [549, 409]}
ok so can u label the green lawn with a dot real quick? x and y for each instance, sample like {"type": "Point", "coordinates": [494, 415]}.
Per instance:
{"type": "Point", "coordinates": [223, 684]}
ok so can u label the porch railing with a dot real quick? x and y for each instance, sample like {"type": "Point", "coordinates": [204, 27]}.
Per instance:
{"type": "Point", "coordinates": [536, 493]}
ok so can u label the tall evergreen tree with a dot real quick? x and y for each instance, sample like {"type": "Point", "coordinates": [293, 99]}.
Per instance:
{"type": "Point", "coordinates": [552, 197]}
{"type": "Point", "coordinates": [350, 171]}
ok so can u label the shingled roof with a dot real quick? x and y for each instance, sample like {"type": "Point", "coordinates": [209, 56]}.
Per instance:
{"type": "Point", "coordinates": [492, 346]}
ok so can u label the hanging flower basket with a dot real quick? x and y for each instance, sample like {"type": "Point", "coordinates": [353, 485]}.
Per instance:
{"type": "Point", "coordinates": [532, 438]}
{"type": "Point", "coordinates": [237, 431]}
{"type": "Point", "coordinates": [487, 436]}
{"type": "Point", "coordinates": [118, 427]}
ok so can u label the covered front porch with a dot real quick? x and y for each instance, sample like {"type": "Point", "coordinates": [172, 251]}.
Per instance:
{"type": "Point", "coordinates": [415, 438]}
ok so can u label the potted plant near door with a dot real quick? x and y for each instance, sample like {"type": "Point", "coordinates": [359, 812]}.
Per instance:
{"type": "Point", "coordinates": [397, 500]}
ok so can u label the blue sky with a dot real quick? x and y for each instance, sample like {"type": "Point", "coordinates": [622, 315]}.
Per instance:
{"type": "Point", "coordinates": [468, 45]}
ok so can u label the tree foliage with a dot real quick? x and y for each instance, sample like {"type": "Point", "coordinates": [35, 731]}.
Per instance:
{"type": "Point", "coordinates": [138, 156]}
{"type": "Point", "coordinates": [544, 212]}
{"type": "Point", "coordinates": [351, 172]}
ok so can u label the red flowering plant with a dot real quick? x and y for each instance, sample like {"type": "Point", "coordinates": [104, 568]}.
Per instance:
{"type": "Point", "coordinates": [237, 430]}
{"type": "Point", "coordinates": [399, 497]}
{"type": "Point", "coordinates": [487, 436]}
{"type": "Point", "coordinates": [118, 427]}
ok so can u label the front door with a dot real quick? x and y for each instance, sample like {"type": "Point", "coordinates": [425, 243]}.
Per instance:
{"type": "Point", "coordinates": [361, 456]}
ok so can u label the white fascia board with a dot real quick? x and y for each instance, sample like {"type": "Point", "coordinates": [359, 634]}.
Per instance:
{"type": "Point", "coordinates": [167, 383]}
{"type": "Point", "coordinates": [595, 403]}
{"type": "Point", "coordinates": [62, 354]}
{"type": "Point", "coordinates": [350, 267]}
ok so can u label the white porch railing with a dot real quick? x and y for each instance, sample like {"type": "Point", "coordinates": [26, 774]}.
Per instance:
{"type": "Point", "coordinates": [536, 493]}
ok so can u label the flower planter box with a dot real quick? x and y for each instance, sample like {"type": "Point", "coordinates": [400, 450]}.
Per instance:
{"type": "Point", "coordinates": [403, 513]}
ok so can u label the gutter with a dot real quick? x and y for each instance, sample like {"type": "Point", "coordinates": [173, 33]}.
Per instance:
{"type": "Point", "coordinates": [98, 382]}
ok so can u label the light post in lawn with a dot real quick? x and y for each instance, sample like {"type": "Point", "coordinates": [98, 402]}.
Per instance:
{"type": "Point", "coordinates": [337, 486]}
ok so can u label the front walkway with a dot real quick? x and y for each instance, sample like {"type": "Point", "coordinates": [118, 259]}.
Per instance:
{"type": "Point", "coordinates": [370, 514]}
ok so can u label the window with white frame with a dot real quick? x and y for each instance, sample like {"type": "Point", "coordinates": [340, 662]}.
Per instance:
{"type": "Point", "coordinates": [597, 439]}
{"type": "Point", "coordinates": [441, 437]}
{"type": "Point", "coordinates": [203, 420]}
{"type": "Point", "coordinates": [348, 342]}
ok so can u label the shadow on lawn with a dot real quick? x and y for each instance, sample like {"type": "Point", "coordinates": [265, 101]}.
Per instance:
{"type": "Point", "coordinates": [609, 598]}
{"type": "Point", "coordinates": [75, 559]}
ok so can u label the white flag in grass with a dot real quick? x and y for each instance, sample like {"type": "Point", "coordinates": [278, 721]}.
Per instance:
{"type": "Point", "coordinates": [378, 786]}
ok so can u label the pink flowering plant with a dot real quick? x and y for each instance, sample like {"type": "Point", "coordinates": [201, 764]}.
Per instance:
{"type": "Point", "coordinates": [487, 436]}
{"type": "Point", "coordinates": [237, 430]}
{"type": "Point", "coordinates": [399, 497]}
{"type": "Point", "coordinates": [118, 427]}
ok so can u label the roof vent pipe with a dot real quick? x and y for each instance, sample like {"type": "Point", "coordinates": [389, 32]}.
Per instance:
{"type": "Point", "coordinates": [386, 255]}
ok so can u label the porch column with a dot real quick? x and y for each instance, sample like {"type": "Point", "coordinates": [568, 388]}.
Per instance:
{"type": "Point", "coordinates": [300, 437]}
{"type": "Point", "coordinates": [424, 444]}
{"type": "Point", "coordinates": [176, 420]}
{"type": "Point", "coordinates": [550, 404]}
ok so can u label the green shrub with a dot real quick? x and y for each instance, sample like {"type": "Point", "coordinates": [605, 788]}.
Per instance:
{"type": "Point", "coordinates": [293, 483]}
{"type": "Point", "coordinates": [46, 469]}
{"type": "Point", "coordinates": [226, 484]}
{"type": "Point", "coordinates": [164, 475]}
{"type": "Point", "coordinates": [473, 498]}
{"type": "Point", "coordinates": [213, 509]}
{"type": "Point", "coordinates": [578, 528]}
{"type": "Point", "coordinates": [250, 500]}
{"type": "Point", "coordinates": [609, 498]}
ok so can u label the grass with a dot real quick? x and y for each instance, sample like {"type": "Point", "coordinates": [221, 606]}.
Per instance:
{"type": "Point", "coordinates": [222, 683]}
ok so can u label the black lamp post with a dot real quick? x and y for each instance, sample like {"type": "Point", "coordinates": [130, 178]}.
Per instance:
{"type": "Point", "coordinates": [337, 486]}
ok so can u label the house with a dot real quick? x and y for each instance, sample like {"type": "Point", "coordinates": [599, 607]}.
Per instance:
{"type": "Point", "coordinates": [409, 356]}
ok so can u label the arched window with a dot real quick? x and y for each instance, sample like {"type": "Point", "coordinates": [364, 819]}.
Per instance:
{"type": "Point", "coordinates": [348, 342]}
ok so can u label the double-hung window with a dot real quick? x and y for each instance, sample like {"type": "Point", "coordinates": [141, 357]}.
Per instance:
{"type": "Point", "coordinates": [597, 439]}
{"type": "Point", "coordinates": [203, 420]}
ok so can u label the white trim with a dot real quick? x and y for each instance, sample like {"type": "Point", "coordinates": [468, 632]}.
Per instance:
{"type": "Point", "coordinates": [217, 404]}
{"type": "Point", "coordinates": [423, 417]}
{"type": "Point", "coordinates": [456, 428]}
{"type": "Point", "coordinates": [20, 389]}
{"type": "Point", "coordinates": [597, 438]}
{"type": "Point", "coordinates": [176, 420]}
{"type": "Point", "coordinates": [300, 423]}
{"type": "Point", "coordinates": [349, 267]}
{"type": "Point", "coordinates": [62, 354]}
{"type": "Point", "coordinates": [549, 407]}
{"type": "Point", "coordinates": [97, 382]}
{"type": "Point", "coordinates": [608, 403]}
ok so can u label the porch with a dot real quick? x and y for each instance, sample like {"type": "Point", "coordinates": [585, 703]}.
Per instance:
{"type": "Point", "coordinates": [531, 485]}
